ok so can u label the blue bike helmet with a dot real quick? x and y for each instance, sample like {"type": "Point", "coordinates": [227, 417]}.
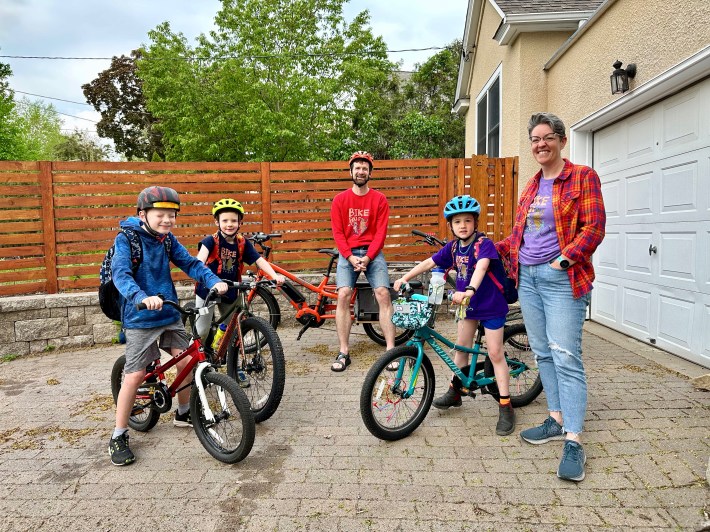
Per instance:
{"type": "Point", "coordinates": [460, 205]}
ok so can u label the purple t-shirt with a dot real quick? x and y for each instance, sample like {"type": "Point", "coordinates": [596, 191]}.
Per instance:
{"type": "Point", "coordinates": [540, 243]}
{"type": "Point", "coordinates": [488, 301]}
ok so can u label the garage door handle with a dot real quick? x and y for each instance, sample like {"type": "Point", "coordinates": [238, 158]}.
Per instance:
{"type": "Point", "coordinates": [652, 249]}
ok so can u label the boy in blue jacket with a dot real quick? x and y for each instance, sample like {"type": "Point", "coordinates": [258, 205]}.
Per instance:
{"type": "Point", "coordinates": [147, 331]}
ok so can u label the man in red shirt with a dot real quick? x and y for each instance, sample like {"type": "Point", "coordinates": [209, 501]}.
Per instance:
{"type": "Point", "coordinates": [359, 218]}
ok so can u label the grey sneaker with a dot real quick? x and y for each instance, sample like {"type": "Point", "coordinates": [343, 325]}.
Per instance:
{"type": "Point", "coordinates": [450, 398]}
{"type": "Point", "coordinates": [119, 451]}
{"type": "Point", "coordinates": [506, 420]}
{"type": "Point", "coordinates": [572, 463]}
{"type": "Point", "coordinates": [549, 430]}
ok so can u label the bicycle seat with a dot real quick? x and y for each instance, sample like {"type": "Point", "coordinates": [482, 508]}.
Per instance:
{"type": "Point", "coordinates": [332, 252]}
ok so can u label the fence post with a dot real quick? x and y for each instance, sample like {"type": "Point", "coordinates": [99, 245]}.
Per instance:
{"type": "Point", "coordinates": [49, 237]}
{"type": "Point", "coordinates": [446, 191]}
{"type": "Point", "coordinates": [265, 168]}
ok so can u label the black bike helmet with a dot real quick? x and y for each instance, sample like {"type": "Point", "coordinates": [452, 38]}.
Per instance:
{"type": "Point", "coordinates": [460, 205]}
{"type": "Point", "coordinates": [158, 198]}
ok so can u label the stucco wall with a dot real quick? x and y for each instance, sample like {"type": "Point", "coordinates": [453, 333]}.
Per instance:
{"type": "Point", "coordinates": [653, 34]}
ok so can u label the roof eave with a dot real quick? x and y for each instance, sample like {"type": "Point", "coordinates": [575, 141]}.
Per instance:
{"type": "Point", "coordinates": [470, 35]}
{"type": "Point", "coordinates": [515, 24]}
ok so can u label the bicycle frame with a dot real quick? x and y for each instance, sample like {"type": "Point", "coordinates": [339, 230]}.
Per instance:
{"type": "Point", "coordinates": [471, 381]}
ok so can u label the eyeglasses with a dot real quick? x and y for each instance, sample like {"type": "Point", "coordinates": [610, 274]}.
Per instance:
{"type": "Point", "coordinates": [547, 138]}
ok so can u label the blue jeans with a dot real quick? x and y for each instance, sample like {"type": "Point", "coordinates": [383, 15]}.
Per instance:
{"type": "Point", "coordinates": [553, 320]}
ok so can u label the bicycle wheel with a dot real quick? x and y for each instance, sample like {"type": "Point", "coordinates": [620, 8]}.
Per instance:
{"type": "Point", "coordinates": [375, 333]}
{"type": "Point", "coordinates": [264, 366]}
{"type": "Point", "coordinates": [230, 437]}
{"type": "Point", "coordinates": [144, 416]}
{"type": "Point", "coordinates": [387, 414]}
{"type": "Point", "coordinates": [263, 304]}
{"type": "Point", "coordinates": [526, 386]}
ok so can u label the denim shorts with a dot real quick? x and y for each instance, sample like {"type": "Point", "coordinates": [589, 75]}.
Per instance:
{"type": "Point", "coordinates": [377, 274]}
{"type": "Point", "coordinates": [494, 324]}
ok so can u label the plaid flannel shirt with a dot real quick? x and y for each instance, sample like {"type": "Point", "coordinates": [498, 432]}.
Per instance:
{"type": "Point", "coordinates": [580, 219]}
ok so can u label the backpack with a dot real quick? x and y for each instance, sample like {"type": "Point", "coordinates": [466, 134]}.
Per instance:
{"type": "Point", "coordinates": [109, 296]}
{"type": "Point", "coordinates": [507, 288]}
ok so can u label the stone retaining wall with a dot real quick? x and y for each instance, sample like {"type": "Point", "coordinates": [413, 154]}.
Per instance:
{"type": "Point", "coordinates": [39, 323]}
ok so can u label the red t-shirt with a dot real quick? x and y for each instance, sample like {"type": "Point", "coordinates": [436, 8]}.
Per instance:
{"type": "Point", "coordinates": [359, 221]}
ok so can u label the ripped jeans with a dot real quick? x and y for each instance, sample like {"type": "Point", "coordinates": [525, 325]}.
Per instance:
{"type": "Point", "coordinates": [554, 319]}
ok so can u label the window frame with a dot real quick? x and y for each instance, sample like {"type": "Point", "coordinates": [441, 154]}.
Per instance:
{"type": "Point", "coordinates": [484, 95]}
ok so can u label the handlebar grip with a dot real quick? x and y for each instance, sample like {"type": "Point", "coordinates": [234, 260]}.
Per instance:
{"type": "Point", "coordinates": [141, 306]}
{"type": "Point", "coordinates": [419, 233]}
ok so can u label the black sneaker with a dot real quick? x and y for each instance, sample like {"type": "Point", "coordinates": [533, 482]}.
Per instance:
{"type": "Point", "coordinates": [182, 420]}
{"type": "Point", "coordinates": [506, 420]}
{"type": "Point", "coordinates": [450, 398]}
{"type": "Point", "coordinates": [119, 451]}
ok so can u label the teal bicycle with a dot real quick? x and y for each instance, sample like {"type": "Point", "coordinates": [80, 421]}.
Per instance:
{"type": "Point", "coordinates": [393, 403]}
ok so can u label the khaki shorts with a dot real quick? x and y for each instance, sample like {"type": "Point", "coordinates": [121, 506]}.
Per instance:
{"type": "Point", "coordinates": [143, 345]}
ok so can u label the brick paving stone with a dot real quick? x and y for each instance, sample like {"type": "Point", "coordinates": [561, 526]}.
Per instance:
{"type": "Point", "coordinates": [315, 466]}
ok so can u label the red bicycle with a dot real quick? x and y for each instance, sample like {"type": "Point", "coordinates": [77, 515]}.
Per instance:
{"type": "Point", "coordinates": [363, 305]}
{"type": "Point", "coordinates": [220, 411]}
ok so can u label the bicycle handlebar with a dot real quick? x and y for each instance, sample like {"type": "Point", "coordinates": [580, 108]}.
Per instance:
{"type": "Point", "coordinates": [429, 239]}
{"type": "Point", "coordinates": [260, 237]}
{"type": "Point", "coordinates": [211, 298]}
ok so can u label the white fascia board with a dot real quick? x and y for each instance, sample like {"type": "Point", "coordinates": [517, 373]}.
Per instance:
{"type": "Point", "coordinates": [513, 25]}
{"type": "Point", "coordinates": [470, 33]}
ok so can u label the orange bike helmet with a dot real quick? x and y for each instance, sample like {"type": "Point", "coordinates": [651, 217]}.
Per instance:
{"type": "Point", "coordinates": [361, 156]}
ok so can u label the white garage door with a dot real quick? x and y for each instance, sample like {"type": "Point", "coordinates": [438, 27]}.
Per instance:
{"type": "Point", "coordinates": [653, 268]}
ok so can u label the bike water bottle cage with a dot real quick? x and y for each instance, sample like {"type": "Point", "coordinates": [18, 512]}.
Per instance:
{"type": "Point", "coordinates": [227, 204]}
{"type": "Point", "coordinates": [460, 205]}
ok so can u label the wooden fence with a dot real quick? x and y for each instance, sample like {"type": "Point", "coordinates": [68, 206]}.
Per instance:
{"type": "Point", "coordinates": [57, 219]}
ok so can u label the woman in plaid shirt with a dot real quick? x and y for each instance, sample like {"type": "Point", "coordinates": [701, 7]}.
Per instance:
{"type": "Point", "coordinates": [558, 224]}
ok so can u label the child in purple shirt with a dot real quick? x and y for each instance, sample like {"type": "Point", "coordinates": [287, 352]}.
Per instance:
{"type": "Point", "coordinates": [472, 255]}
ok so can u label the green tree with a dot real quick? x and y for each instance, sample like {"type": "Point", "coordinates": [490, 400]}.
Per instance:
{"type": "Point", "coordinates": [40, 129]}
{"type": "Point", "coordinates": [275, 81]}
{"type": "Point", "coordinates": [79, 146]}
{"type": "Point", "coordinates": [410, 116]}
{"type": "Point", "coordinates": [117, 94]}
{"type": "Point", "coordinates": [11, 145]}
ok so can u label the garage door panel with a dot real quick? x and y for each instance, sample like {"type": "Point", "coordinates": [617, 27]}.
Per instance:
{"type": "Point", "coordinates": [611, 191]}
{"type": "Point", "coordinates": [639, 194]}
{"type": "Point", "coordinates": [609, 254]}
{"type": "Point", "coordinates": [609, 147]}
{"type": "Point", "coordinates": [637, 259]}
{"type": "Point", "coordinates": [606, 300]}
{"type": "Point", "coordinates": [636, 310]}
{"type": "Point", "coordinates": [676, 257]}
{"type": "Point", "coordinates": [675, 320]}
{"type": "Point", "coordinates": [640, 136]}
{"type": "Point", "coordinates": [679, 188]}
{"type": "Point", "coordinates": [705, 327]}
{"type": "Point", "coordinates": [681, 120]}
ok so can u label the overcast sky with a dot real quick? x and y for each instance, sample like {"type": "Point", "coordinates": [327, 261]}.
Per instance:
{"type": "Point", "coordinates": [106, 28]}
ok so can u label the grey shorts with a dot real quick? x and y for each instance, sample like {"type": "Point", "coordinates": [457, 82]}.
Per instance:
{"type": "Point", "coordinates": [143, 345]}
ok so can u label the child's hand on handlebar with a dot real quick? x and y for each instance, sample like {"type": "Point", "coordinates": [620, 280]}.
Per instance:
{"type": "Point", "coordinates": [153, 303]}
{"type": "Point", "coordinates": [398, 284]}
{"type": "Point", "coordinates": [280, 279]}
{"type": "Point", "coordinates": [458, 298]}
{"type": "Point", "coordinates": [221, 288]}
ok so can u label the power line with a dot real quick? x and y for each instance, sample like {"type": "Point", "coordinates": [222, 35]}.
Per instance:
{"type": "Point", "coordinates": [193, 57]}
{"type": "Point", "coordinates": [78, 117]}
{"type": "Point", "coordinates": [51, 98]}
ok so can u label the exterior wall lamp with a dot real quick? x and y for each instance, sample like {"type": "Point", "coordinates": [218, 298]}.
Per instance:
{"type": "Point", "coordinates": [620, 77]}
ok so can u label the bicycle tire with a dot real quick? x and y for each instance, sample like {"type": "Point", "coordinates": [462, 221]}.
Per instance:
{"type": "Point", "coordinates": [374, 331]}
{"type": "Point", "coordinates": [265, 366]}
{"type": "Point", "coordinates": [392, 417]}
{"type": "Point", "coordinates": [230, 437]}
{"type": "Point", "coordinates": [146, 416]}
{"type": "Point", "coordinates": [263, 304]}
{"type": "Point", "coordinates": [524, 388]}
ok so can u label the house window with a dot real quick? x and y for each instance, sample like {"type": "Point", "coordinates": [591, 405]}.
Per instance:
{"type": "Point", "coordinates": [488, 120]}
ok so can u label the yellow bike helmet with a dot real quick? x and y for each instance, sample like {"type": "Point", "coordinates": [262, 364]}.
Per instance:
{"type": "Point", "coordinates": [227, 204]}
